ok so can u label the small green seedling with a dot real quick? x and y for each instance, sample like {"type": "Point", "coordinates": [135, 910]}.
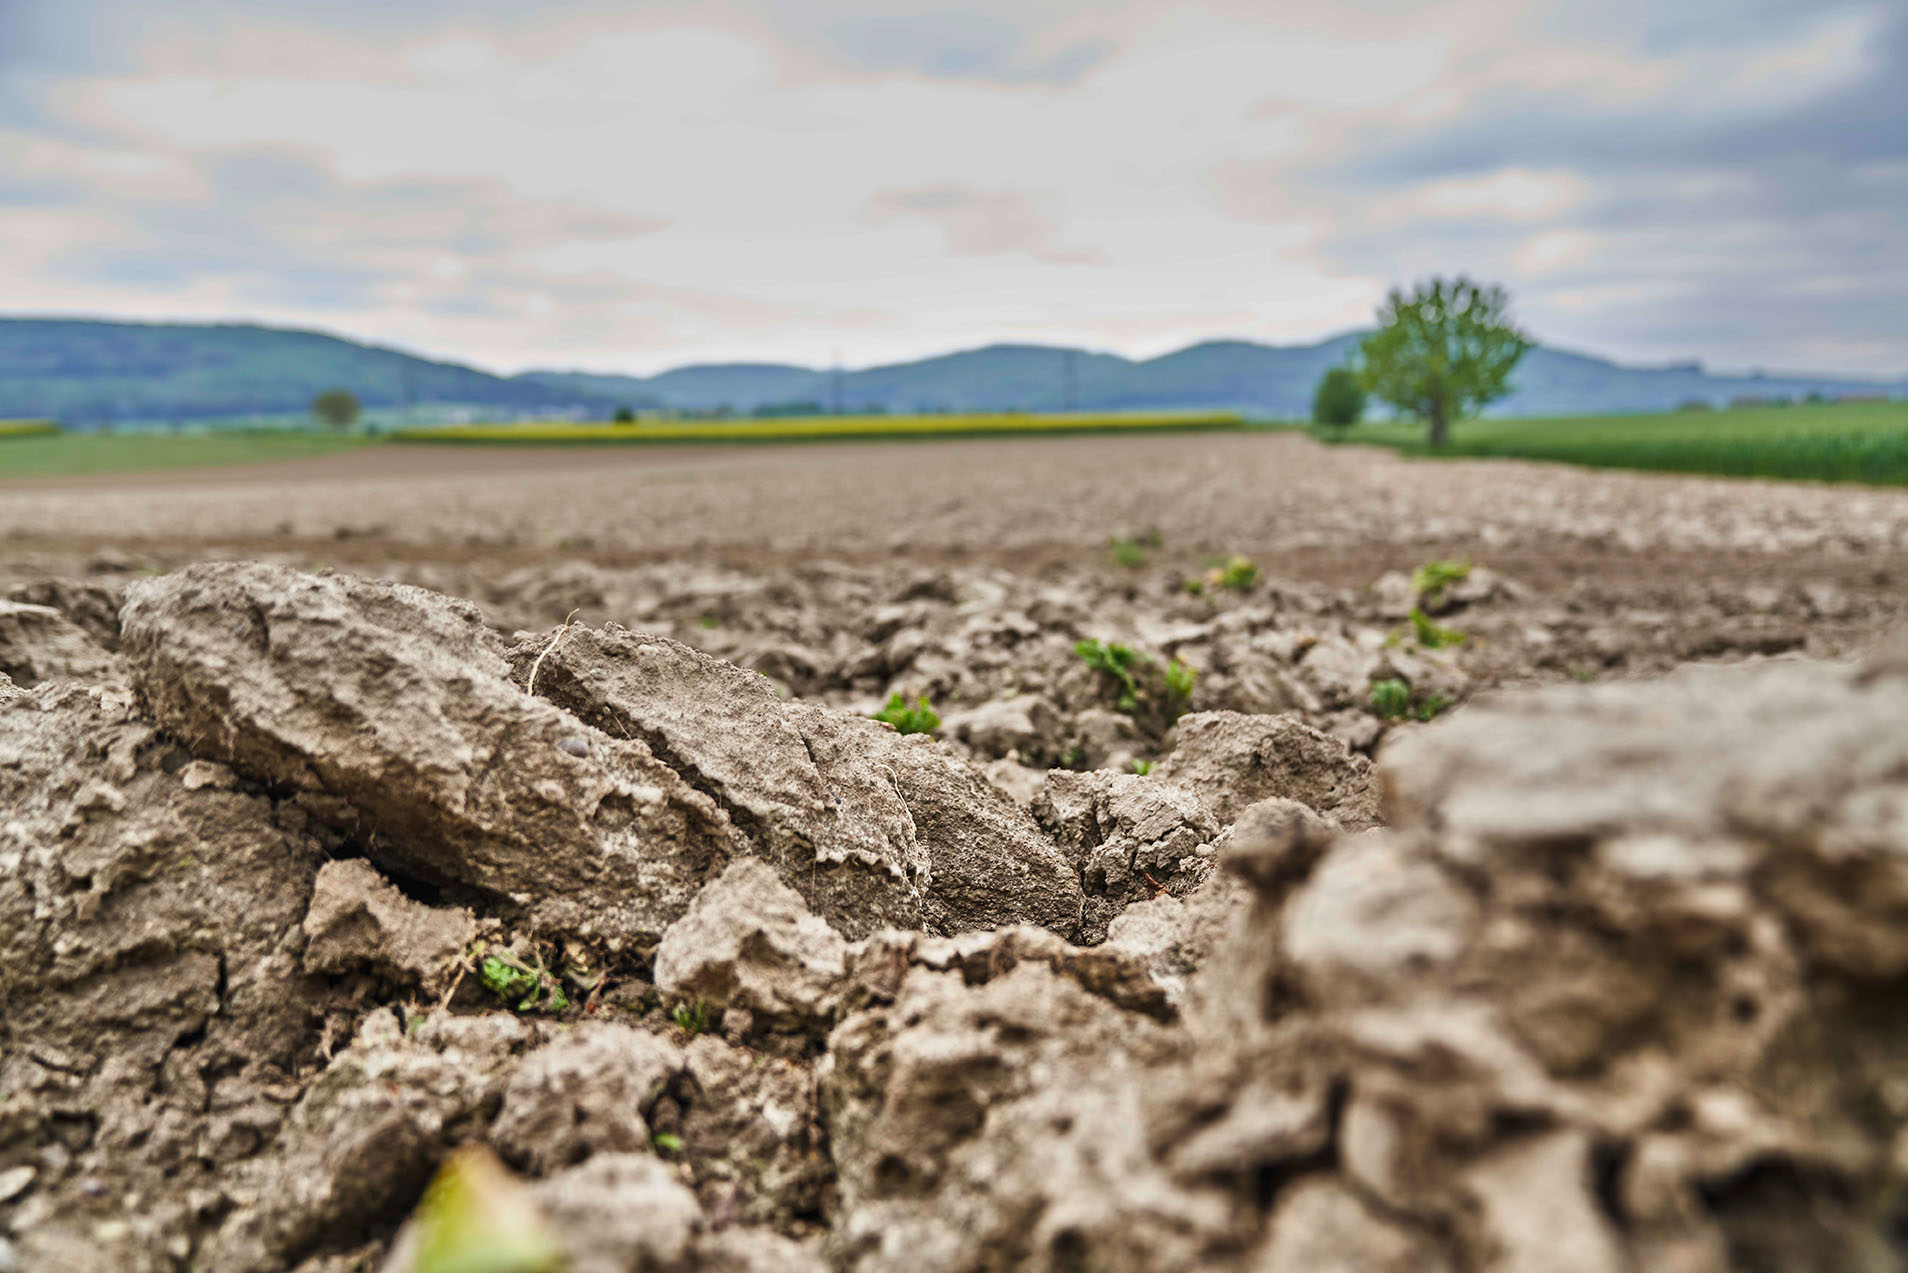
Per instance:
{"type": "Point", "coordinates": [1115, 661]}
{"type": "Point", "coordinates": [1391, 699]}
{"type": "Point", "coordinates": [1234, 574]}
{"type": "Point", "coordinates": [1237, 573]}
{"type": "Point", "coordinates": [1194, 586]}
{"type": "Point", "coordinates": [1179, 682]}
{"type": "Point", "coordinates": [1142, 767]}
{"type": "Point", "coordinates": [708, 621]}
{"type": "Point", "coordinates": [919, 719]}
{"type": "Point", "coordinates": [1430, 580]}
{"type": "Point", "coordinates": [1432, 706]}
{"type": "Point", "coordinates": [525, 982]}
{"type": "Point", "coordinates": [1075, 758]}
{"type": "Point", "coordinates": [1130, 553]}
{"type": "Point", "coordinates": [666, 1143]}
{"type": "Point", "coordinates": [691, 1018]}
{"type": "Point", "coordinates": [1432, 635]}
{"type": "Point", "coordinates": [477, 1218]}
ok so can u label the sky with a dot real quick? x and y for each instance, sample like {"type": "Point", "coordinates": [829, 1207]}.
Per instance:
{"type": "Point", "coordinates": [632, 185]}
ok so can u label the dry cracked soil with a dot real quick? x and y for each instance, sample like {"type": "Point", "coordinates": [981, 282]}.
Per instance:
{"type": "Point", "coordinates": [486, 860]}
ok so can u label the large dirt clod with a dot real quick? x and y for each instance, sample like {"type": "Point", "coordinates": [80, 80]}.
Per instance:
{"type": "Point", "coordinates": [150, 951]}
{"type": "Point", "coordinates": [39, 643]}
{"type": "Point", "coordinates": [809, 804]}
{"type": "Point", "coordinates": [748, 943]}
{"type": "Point", "coordinates": [813, 787]}
{"type": "Point", "coordinates": [1233, 760]}
{"type": "Point", "coordinates": [1130, 837]}
{"type": "Point", "coordinates": [357, 920]}
{"type": "Point", "coordinates": [392, 710]}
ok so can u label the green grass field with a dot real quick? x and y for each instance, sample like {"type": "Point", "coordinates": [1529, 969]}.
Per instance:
{"type": "Point", "coordinates": [1857, 442]}
{"type": "Point", "coordinates": [71, 454]}
{"type": "Point", "coordinates": [830, 428]}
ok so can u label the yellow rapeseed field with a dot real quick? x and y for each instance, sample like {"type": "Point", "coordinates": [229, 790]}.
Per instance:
{"type": "Point", "coordinates": [27, 428]}
{"type": "Point", "coordinates": [828, 428]}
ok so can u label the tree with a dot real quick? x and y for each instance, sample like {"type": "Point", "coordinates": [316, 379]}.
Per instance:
{"type": "Point", "coordinates": [1442, 351]}
{"type": "Point", "coordinates": [337, 408]}
{"type": "Point", "coordinates": [1340, 400]}
{"type": "Point", "coordinates": [624, 415]}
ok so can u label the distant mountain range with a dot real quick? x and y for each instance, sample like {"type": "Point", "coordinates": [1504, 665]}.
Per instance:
{"type": "Point", "coordinates": [85, 372]}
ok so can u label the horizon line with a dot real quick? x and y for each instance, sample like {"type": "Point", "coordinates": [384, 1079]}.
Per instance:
{"type": "Point", "coordinates": [1699, 364]}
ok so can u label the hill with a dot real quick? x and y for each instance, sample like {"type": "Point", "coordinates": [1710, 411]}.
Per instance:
{"type": "Point", "coordinates": [86, 372]}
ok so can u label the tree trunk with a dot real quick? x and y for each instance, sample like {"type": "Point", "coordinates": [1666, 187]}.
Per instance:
{"type": "Point", "coordinates": [1440, 426]}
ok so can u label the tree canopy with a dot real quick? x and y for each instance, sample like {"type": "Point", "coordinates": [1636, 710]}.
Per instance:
{"type": "Point", "coordinates": [1340, 400]}
{"type": "Point", "coordinates": [1442, 350]}
{"type": "Point", "coordinates": [336, 407]}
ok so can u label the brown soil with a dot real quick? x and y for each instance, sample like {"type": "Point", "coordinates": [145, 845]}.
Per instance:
{"type": "Point", "coordinates": [1116, 975]}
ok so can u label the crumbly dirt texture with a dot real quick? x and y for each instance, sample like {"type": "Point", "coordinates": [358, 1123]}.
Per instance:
{"type": "Point", "coordinates": [352, 898]}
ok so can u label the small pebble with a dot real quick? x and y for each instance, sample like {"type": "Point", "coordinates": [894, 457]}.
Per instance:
{"type": "Point", "coordinates": [578, 747]}
{"type": "Point", "coordinates": [14, 1181]}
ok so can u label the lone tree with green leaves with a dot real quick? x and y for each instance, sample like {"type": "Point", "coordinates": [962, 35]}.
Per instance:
{"type": "Point", "coordinates": [1340, 400]}
{"type": "Point", "coordinates": [1442, 351]}
{"type": "Point", "coordinates": [336, 408]}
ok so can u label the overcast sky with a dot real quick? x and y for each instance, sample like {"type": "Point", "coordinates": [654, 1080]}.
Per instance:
{"type": "Point", "coordinates": [627, 186]}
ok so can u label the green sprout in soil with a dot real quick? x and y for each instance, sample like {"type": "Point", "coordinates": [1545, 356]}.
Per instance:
{"type": "Point", "coordinates": [1430, 580]}
{"type": "Point", "coordinates": [666, 1143]}
{"type": "Point", "coordinates": [1115, 662]}
{"type": "Point", "coordinates": [526, 983]}
{"type": "Point", "coordinates": [476, 1218]}
{"type": "Point", "coordinates": [1234, 574]}
{"type": "Point", "coordinates": [919, 719]}
{"type": "Point", "coordinates": [1391, 699]}
{"type": "Point", "coordinates": [1179, 683]}
{"type": "Point", "coordinates": [691, 1018]}
{"type": "Point", "coordinates": [1142, 767]}
{"type": "Point", "coordinates": [1432, 635]}
{"type": "Point", "coordinates": [1075, 758]}
{"type": "Point", "coordinates": [708, 621]}
{"type": "Point", "coordinates": [1130, 553]}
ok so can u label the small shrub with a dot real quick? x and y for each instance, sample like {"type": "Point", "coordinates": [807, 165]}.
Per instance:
{"type": "Point", "coordinates": [624, 415]}
{"type": "Point", "coordinates": [1391, 699]}
{"type": "Point", "coordinates": [919, 719]}
{"type": "Point", "coordinates": [1432, 635]}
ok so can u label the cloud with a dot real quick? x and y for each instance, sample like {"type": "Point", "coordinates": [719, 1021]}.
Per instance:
{"type": "Point", "coordinates": [980, 222]}
{"type": "Point", "coordinates": [962, 44]}
{"type": "Point", "coordinates": [631, 183]}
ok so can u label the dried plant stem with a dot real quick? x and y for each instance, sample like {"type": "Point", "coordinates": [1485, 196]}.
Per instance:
{"type": "Point", "coordinates": [530, 687]}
